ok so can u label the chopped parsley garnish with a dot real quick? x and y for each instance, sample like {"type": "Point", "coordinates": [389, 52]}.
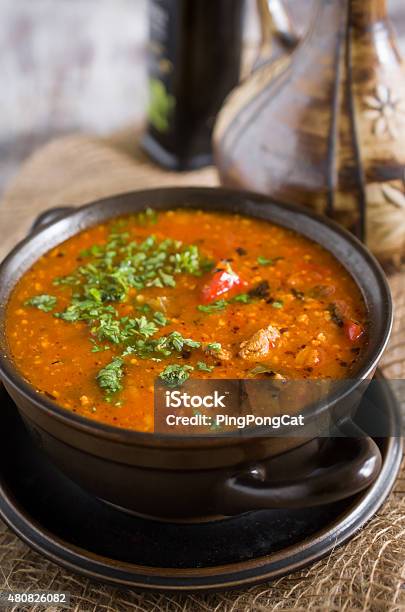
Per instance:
{"type": "Point", "coordinates": [159, 348]}
{"type": "Point", "coordinates": [214, 307]}
{"type": "Point", "coordinates": [214, 346]}
{"type": "Point", "coordinates": [154, 348]}
{"type": "Point", "coordinates": [244, 298]}
{"type": "Point", "coordinates": [106, 275]}
{"type": "Point", "coordinates": [160, 319]}
{"type": "Point", "coordinates": [122, 264]}
{"type": "Point", "coordinates": [277, 304]}
{"type": "Point", "coordinates": [167, 279]}
{"type": "Point", "coordinates": [70, 279]}
{"type": "Point", "coordinates": [84, 310]}
{"type": "Point", "coordinates": [108, 329]}
{"type": "Point", "coordinates": [148, 216]}
{"type": "Point", "coordinates": [201, 365]}
{"type": "Point", "coordinates": [264, 261]}
{"type": "Point", "coordinates": [219, 305]}
{"type": "Point", "coordinates": [43, 302]}
{"type": "Point", "coordinates": [144, 308]}
{"type": "Point", "coordinates": [175, 375]}
{"type": "Point", "coordinates": [158, 316]}
{"type": "Point", "coordinates": [141, 326]}
{"type": "Point", "coordinates": [97, 348]}
{"type": "Point", "coordinates": [176, 341]}
{"type": "Point", "coordinates": [109, 377]}
{"type": "Point", "coordinates": [124, 330]}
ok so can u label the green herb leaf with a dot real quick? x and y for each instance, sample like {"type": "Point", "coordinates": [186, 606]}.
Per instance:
{"type": "Point", "coordinates": [214, 307]}
{"type": "Point", "coordinates": [264, 261]}
{"type": "Point", "coordinates": [148, 216]}
{"type": "Point", "coordinates": [94, 251]}
{"type": "Point", "coordinates": [214, 346]}
{"type": "Point", "coordinates": [144, 308]}
{"type": "Point", "coordinates": [156, 348]}
{"type": "Point", "coordinates": [277, 304]}
{"type": "Point", "coordinates": [146, 328]}
{"type": "Point", "coordinates": [201, 365]}
{"type": "Point", "coordinates": [82, 309]}
{"type": "Point", "coordinates": [243, 298]}
{"type": "Point", "coordinates": [43, 302]}
{"type": "Point", "coordinates": [219, 305]}
{"type": "Point", "coordinates": [108, 329]}
{"type": "Point", "coordinates": [167, 279]}
{"type": "Point", "coordinates": [97, 348]}
{"type": "Point", "coordinates": [189, 261]}
{"type": "Point", "coordinates": [177, 342]}
{"type": "Point", "coordinates": [71, 279]}
{"type": "Point", "coordinates": [120, 264]}
{"type": "Point", "coordinates": [175, 375]}
{"type": "Point", "coordinates": [107, 274]}
{"type": "Point", "coordinates": [160, 318]}
{"type": "Point", "coordinates": [109, 377]}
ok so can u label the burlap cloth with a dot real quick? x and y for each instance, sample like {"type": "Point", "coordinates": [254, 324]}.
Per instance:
{"type": "Point", "coordinates": [368, 573]}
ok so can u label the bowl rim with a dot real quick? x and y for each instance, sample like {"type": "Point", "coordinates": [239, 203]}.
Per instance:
{"type": "Point", "coordinates": [11, 375]}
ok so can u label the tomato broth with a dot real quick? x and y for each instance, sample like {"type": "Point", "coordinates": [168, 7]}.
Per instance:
{"type": "Point", "coordinates": [179, 294]}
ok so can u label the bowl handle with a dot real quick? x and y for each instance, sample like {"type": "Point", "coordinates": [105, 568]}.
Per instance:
{"type": "Point", "coordinates": [344, 466]}
{"type": "Point", "coordinates": [49, 216]}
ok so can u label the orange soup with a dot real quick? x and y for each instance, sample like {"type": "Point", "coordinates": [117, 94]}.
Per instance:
{"type": "Point", "coordinates": [179, 294]}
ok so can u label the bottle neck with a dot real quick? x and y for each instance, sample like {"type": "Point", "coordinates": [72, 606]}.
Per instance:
{"type": "Point", "coordinates": [367, 13]}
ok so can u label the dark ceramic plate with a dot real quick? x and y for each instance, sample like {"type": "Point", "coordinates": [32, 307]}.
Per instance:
{"type": "Point", "coordinates": [58, 519]}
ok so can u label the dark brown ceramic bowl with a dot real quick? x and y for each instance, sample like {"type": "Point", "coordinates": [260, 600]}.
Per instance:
{"type": "Point", "coordinates": [171, 477]}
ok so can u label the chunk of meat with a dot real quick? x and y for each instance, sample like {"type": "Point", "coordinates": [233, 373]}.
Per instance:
{"type": "Point", "coordinates": [260, 344]}
{"type": "Point", "coordinates": [308, 357]}
{"type": "Point", "coordinates": [222, 354]}
{"type": "Point", "coordinates": [322, 291]}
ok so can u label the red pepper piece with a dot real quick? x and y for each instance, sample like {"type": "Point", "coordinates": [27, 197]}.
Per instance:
{"type": "Point", "coordinates": [223, 280]}
{"type": "Point", "coordinates": [353, 330]}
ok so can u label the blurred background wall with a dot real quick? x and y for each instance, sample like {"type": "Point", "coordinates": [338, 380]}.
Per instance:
{"type": "Point", "coordinates": [69, 65]}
